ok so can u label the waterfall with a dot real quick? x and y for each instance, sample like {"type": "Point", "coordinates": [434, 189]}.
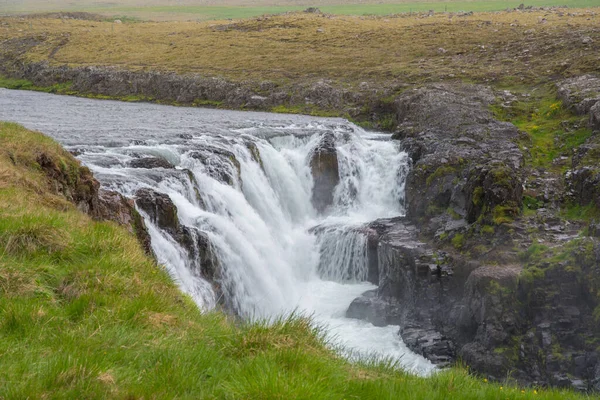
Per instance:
{"type": "Point", "coordinates": [242, 186]}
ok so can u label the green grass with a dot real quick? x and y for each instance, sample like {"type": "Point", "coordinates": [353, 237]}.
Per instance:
{"type": "Point", "coordinates": [218, 12]}
{"type": "Point", "coordinates": [85, 314]}
{"type": "Point", "coordinates": [228, 12]}
{"type": "Point", "coordinates": [553, 130]}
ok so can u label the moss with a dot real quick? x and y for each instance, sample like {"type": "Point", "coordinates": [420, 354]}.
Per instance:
{"type": "Point", "coordinates": [478, 194]}
{"type": "Point", "coordinates": [547, 124]}
{"type": "Point", "coordinates": [504, 214]}
{"type": "Point", "coordinates": [453, 214]}
{"type": "Point", "coordinates": [534, 253]}
{"type": "Point", "coordinates": [439, 172]}
{"type": "Point", "coordinates": [531, 274]}
{"type": "Point", "coordinates": [458, 241]}
{"type": "Point", "coordinates": [487, 229]}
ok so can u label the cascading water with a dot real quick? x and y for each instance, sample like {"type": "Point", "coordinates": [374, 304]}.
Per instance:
{"type": "Point", "coordinates": [246, 186]}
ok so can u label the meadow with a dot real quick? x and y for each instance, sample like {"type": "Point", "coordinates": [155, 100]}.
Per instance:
{"type": "Point", "coordinates": [237, 9]}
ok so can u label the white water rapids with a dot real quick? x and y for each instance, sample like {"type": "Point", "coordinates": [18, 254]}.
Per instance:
{"type": "Point", "coordinates": [261, 225]}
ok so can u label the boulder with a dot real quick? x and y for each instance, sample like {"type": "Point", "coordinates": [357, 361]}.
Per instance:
{"type": "Point", "coordinates": [325, 172]}
{"type": "Point", "coordinates": [580, 93]}
{"type": "Point", "coordinates": [371, 308]}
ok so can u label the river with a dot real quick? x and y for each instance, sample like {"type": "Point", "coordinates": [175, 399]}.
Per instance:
{"type": "Point", "coordinates": [277, 253]}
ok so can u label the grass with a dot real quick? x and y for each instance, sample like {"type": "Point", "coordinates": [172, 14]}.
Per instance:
{"type": "Point", "coordinates": [305, 48]}
{"type": "Point", "coordinates": [85, 314]}
{"type": "Point", "coordinates": [231, 10]}
{"type": "Point", "coordinates": [553, 130]}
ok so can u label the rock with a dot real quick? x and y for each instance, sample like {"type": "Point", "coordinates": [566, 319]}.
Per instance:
{"type": "Point", "coordinates": [150, 163]}
{"type": "Point", "coordinates": [430, 344]}
{"type": "Point", "coordinates": [71, 180]}
{"type": "Point", "coordinates": [595, 116]}
{"type": "Point", "coordinates": [587, 40]}
{"type": "Point", "coordinates": [373, 309]}
{"type": "Point", "coordinates": [160, 209]}
{"type": "Point", "coordinates": [580, 93]}
{"type": "Point", "coordinates": [325, 172]}
{"type": "Point", "coordinates": [584, 185]}
{"type": "Point", "coordinates": [219, 163]}
{"type": "Point", "coordinates": [456, 145]}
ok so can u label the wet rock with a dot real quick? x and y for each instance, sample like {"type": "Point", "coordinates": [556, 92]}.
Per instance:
{"type": "Point", "coordinates": [70, 179]}
{"type": "Point", "coordinates": [371, 308]}
{"type": "Point", "coordinates": [325, 171]}
{"type": "Point", "coordinates": [160, 209]}
{"type": "Point", "coordinates": [430, 343]}
{"type": "Point", "coordinates": [150, 163]}
{"type": "Point", "coordinates": [219, 163]}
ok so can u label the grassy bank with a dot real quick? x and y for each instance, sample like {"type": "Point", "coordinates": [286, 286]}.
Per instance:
{"type": "Point", "coordinates": [85, 314]}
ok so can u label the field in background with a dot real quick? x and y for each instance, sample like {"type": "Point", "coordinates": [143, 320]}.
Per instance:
{"type": "Point", "coordinates": [235, 9]}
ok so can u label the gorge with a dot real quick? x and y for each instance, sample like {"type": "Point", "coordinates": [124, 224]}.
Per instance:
{"type": "Point", "coordinates": [262, 215]}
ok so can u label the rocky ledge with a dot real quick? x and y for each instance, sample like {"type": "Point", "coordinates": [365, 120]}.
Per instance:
{"type": "Point", "coordinates": [466, 275]}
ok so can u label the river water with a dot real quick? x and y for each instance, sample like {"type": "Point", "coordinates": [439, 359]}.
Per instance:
{"type": "Point", "coordinates": [261, 221]}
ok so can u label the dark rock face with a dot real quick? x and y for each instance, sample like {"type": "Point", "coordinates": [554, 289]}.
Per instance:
{"type": "Point", "coordinates": [584, 177]}
{"type": "Point", "coordinates": [595, 116]}
{"type": "Point", "coordinates": [150, 163]}
{"type": "Point", "coordinates": [75, 183]}
{"type": "Point", "coordinates": [370, 307]}
{"type": "Point", "coordinates": [325, 171]}
{"type": "Point", "coordinates": [501, 320]}
{"type": "Point", "coordinates": [160, 209]}
{"type": "Point", "coordinates": [530, 320]}
{"type": "Point", "coordinates": [219, 163]}
{"type": "Point", "coordinates": [465, 162]}
{"type": "Point", "coordinates": [162, 212]}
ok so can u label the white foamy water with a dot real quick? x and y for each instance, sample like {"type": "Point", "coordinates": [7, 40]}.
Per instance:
{"type": "Point", "coordinates": [252, 174]}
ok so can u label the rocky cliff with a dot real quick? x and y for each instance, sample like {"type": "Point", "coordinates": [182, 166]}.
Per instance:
{"type": "Point", "coordinates": [467, 274]}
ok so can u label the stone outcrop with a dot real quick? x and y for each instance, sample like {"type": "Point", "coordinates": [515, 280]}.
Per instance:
{"type": "Point", "coordinates": [466, 163]}
{"type": "Point", "coordinates": [325, 171]}
{"type": "Point", "coordinates": [68, 178]}
{"type": "Point", "coordinates": [582, 94]}
{"type": "Point", "coordinates": [504, 314]}
{"type": "Point", "coordinates": [532, 321]}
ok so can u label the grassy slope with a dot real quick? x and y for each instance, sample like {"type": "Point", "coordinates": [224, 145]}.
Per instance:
{"type": "Point", "coordinates": [485, 47]}
{"type": "Point", "coordinates": [85, 314]}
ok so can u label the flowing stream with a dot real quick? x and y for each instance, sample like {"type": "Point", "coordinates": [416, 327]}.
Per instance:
{"type": "Point", "coordinates": [244, 180]}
